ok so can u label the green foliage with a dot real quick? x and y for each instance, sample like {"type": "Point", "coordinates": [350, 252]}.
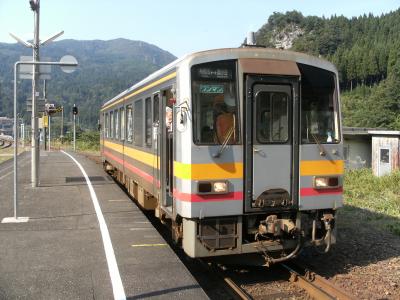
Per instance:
{"type": "Point", "coordinates": [378, 195]}
{"type": "Point", "coordinates": [88, 140]}
{"type": "Point", "coordinates": [376, 106]}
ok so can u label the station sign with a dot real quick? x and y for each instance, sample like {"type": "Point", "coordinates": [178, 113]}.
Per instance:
{"type": "Point", "coordinates": [26, 71]}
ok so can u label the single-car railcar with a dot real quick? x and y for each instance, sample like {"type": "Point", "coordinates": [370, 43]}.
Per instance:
{"type": "Point", "coordinates": [241, 149]}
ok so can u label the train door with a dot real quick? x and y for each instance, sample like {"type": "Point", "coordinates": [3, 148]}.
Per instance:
{"type": "Point", "coordinates": [167, 149]}
{"type": "Point", "coordinates": [156, 140]}
{"type": "Point", "coordinates": [269, 143]}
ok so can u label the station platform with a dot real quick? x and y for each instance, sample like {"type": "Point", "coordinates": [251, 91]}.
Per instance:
{"type": "Point", "coordinates": [60, 252]}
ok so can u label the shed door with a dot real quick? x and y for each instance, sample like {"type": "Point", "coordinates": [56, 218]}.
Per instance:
{"type": "Point", "coordinates": [385, 162]}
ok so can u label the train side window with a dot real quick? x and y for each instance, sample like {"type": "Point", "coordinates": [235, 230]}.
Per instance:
{"type": "Point", "coordinates": [116, 126]}
{"type": "Point", "coordinates": [129, 123]}
{"type": "Point", "coordinates": [149, 119]}
{"type": "Point", "coordinates": [106, 125]}
{"type": "Point", "coordinates": [138, 123]}
{"type": "Point", "coordinates": [156, 112]}
{"type": "Point", "coordinates": [122, 128]}
{"type": "Point", "coordinates": [111, 124]}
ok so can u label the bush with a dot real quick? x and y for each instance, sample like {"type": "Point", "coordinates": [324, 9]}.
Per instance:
{"type": "Point", "coordinates": [88, 140]}
{"type": "Point", "coordinates": [379, 195]}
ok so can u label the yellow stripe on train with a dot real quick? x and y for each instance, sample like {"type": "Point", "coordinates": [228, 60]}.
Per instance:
{"type": "Point", "coordinates": [232, 170]}
{"type": "Point", "coordinates": [321, 167]}
{"type": "Point", "coordinates": [143, 89]}
{"type": "Point", "coordinates": [144, 157]}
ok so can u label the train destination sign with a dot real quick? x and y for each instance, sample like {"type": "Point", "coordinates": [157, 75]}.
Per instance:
{"type": "Point", "coordinates": [211, 89]}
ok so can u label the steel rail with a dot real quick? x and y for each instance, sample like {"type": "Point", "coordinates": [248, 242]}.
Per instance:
{"type": "Point", "coordinates": [237, 289]}
{"type": "Point", "coordinates": [231, 287]}
{"type": "Point", "coordinates": [315, 285]}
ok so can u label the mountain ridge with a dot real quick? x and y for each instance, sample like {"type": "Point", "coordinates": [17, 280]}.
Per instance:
{"type": "Point", "coordinates": [106, 67]}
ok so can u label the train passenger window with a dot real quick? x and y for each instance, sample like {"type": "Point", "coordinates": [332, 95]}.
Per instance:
{"type": "Point", "coordinates": [138, 123]}
{"type": "Point", "coordinates": [272, 117]}
{"type": "Point", "coordinates": [116, 125]}
{"type": "Point", "coordinates": [215, 103]}
{"type": "Point", "coordinates": [122, 117]}
{"type": "Point", "coordinates": [149, 121]}
{"type": "Point", "coordinates": [156, 113]}
{"type": "Point", "coordinates": [129, 123]}
{"type": "Point", "coordinates": [111, 124]}
{"type": "Point", "coordinates": [106, 129]}
{"type": "Point", "coordinates": [319, 106]}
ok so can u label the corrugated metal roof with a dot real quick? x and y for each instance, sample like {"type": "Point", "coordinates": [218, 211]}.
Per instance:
{"type": "Point", "coordinates": [369, 131]}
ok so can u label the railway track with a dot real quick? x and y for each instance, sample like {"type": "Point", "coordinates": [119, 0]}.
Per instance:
{"type": "Point", "coordinates": [315, 286]}
{"type": "Point", "coordinates": [5, 141]}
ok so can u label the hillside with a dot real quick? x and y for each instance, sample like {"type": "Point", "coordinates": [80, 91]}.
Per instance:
{"type": "Point", "coordinates": [105, 69]}
{"type": "Point", "coordinates": [366, 51]}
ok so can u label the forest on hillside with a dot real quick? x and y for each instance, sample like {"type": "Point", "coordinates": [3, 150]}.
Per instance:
{"type": "Point", "coordinates": [105, 69]}
{"type": "Point", "coordinates": [366, 51]}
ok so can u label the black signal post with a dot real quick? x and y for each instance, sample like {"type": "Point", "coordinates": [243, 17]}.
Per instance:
{"type": "Point", "coordinates": [74, 112]}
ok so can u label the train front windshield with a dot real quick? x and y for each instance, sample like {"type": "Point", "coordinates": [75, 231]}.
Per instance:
{"type": "Point", "coordinates": [319, 106]}
{"type": "Point", "coordinates": [215, 103]}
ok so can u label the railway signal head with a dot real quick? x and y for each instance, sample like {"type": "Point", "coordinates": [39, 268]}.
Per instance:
{"type": "Point", "coordinates": [75, 110]}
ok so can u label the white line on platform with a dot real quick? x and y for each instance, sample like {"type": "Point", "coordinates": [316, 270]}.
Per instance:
{"type": "Point", "coordinates": [116, 282]}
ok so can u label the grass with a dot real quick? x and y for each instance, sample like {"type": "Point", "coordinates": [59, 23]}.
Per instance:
{"type": "Point", "coordinates": [376, 200]}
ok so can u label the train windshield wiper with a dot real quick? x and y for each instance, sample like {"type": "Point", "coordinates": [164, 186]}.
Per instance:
{"type": "Point", "coordinates": [321, 148]}
{"type": "Point", "coordinates": [225, 142]}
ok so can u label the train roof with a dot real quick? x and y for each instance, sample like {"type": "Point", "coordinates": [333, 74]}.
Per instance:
{"type": "Point", "coordinates": [230, 53]}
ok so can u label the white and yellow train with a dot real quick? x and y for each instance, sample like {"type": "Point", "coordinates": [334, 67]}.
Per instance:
{"type": "Point", "coordinates": [241, 149]}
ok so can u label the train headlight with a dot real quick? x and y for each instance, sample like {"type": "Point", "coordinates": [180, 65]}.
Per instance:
{"type": "Point", "coordinates": [212, 187]}
{"type": "Point", "coordinates": [326, 182]}
{"type": "Point", "coordinates": [220, 187]}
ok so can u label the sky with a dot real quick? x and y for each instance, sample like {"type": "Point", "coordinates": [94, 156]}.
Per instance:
{"type": "Point", "coordinates": [178, 26]}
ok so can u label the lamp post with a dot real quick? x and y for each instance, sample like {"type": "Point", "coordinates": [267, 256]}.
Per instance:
{"type": "Point", "coordinates": [62, 63]}
{"type": "Point", "coordinates": [35, 7]}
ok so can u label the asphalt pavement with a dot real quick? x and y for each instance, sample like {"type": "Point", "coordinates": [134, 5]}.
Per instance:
{"type": "Point", "coordinates": [60, 254]}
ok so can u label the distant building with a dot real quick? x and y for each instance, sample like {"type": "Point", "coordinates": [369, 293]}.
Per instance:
{"type": "Point", "coordinates": [371, 148]}
{"type": "Point", "coordinates": [6, 126]}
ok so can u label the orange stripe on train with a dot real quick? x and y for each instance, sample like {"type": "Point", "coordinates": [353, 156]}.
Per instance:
{"type": "Point", "coordinates": [321, 167]}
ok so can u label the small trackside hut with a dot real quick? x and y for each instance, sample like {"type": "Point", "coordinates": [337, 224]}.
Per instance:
{"type": "Point", "coordinates": [241, 149]}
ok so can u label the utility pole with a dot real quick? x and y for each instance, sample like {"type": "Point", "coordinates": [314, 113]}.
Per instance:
{"type": "Point", "coordinates": [23, 135]}
{"type": "Point", "coordinates": [49, 132]}
{"type": "Point", "coordinates": [62, 125]}
{"type": "Point", "coordinates": [74, 112]}
{"type": "Point", "coordinates": [35, 6]}
{"type": "Point", "coordinates": [48, 117]}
